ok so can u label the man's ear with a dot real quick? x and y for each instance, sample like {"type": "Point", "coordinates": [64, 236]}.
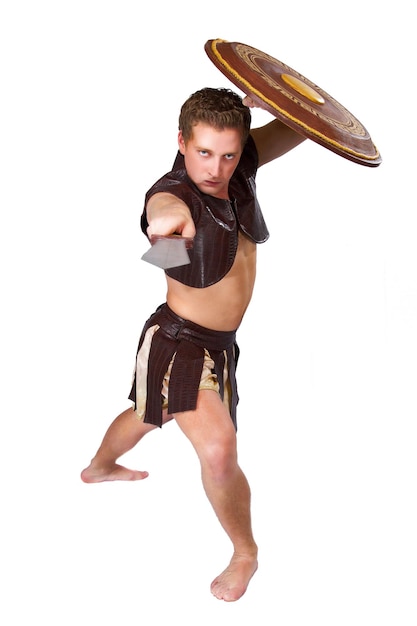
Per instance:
{"type": "Point", "coordinates": [181, 142]}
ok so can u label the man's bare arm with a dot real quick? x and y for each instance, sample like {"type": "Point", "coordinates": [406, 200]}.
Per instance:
{"type": "Point", "coordinates": [168, 215]}
{"type": "Point", "coordinates": [274, 139]}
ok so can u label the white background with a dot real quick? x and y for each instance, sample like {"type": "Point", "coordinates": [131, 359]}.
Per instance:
{"type": "Point", "coordinates": [90, 95]}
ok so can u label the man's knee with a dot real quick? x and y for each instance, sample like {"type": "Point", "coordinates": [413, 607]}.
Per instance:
{"type": "Point", "coordinates": [219, 458]}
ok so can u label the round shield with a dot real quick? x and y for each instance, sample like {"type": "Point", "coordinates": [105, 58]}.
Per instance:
{"type": "Point", "coordinates": [295, 100]}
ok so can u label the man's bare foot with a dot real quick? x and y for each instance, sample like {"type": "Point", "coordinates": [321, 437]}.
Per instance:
{"type": "Point", "coordinates": [233, 582]}
{"type": "Point", "coordinates": [92, 474]}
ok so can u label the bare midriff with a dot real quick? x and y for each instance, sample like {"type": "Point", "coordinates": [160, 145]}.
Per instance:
{"type": "Point", "coordinates": [220, 306]}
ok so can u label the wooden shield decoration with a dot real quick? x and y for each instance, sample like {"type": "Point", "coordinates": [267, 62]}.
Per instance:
{"type": "Point", "coordinates": [295, 100]}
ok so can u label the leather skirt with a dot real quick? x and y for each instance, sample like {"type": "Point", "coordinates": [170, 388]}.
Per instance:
{"type": "Point", "coordinates": [184, 342]}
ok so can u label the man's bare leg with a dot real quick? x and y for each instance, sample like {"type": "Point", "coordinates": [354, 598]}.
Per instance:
{"type": "Point", "coordinates": [123, 434]}
{"type": "Point", "coordinates": [211, 431]}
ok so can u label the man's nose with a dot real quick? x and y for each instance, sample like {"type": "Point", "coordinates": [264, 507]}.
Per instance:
{"type": "Point", "coordinates": [215, 168]}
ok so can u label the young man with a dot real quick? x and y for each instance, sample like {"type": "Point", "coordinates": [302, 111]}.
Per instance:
{"type": "Point", "coordinates": [187, 352]}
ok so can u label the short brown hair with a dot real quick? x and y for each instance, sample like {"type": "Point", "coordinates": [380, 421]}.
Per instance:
{"type": "Point", "coordinates": [220, 108]}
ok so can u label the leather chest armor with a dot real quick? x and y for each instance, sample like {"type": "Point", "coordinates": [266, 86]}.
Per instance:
{"type": "Point", "coordinates": [217, 221]}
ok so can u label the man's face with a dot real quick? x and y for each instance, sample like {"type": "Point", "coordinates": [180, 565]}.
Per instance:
{"type": "Point", "coordinates": [211, 156]}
